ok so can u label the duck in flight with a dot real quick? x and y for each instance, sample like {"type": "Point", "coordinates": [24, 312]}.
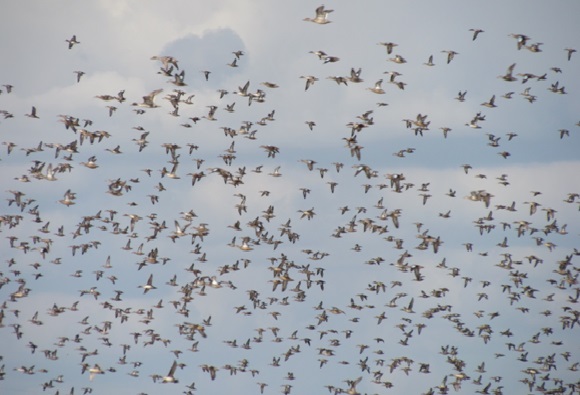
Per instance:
{"type": "Point", "coordinates": [148, 287]}
{"type": "Point", "coordinates": [32, 113]}
{"type": "Point", "coordinates": [149, 100]}
{"type": "Point", "coordinates": [321, 16]}
{"type": "Point", "coordinates": [72, 41]}
{"type": "Point", "coordinates": [475, 33]}
{"type": "Point", "coordinates": [170, 378]}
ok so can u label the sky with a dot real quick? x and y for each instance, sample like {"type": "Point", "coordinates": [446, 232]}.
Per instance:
{"type": "Point", "coordinates": [401, 279]}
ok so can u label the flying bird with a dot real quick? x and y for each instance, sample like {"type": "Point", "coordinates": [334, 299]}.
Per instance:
{"type": "Point", "coordinates": [148, 286]}
{"type": "Point", "coordinates": [321, 16]}
{"type": "Point", "coordinates": [72, 41]}
{"type": "Point", "coordinates": [476, 32]}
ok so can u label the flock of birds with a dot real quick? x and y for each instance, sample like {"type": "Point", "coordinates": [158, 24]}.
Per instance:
{"type": "Point", "coordinates": [282, 296]}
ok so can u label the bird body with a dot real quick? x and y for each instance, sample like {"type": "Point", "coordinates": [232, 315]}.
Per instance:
{"type": "Point", "coordinates": [321, 16]}
{"type": "Point", "coordinates": [72, 41]}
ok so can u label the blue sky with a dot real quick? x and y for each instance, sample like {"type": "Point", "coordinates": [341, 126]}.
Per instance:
{"type": "Point", "coordinates": [117, 41]}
